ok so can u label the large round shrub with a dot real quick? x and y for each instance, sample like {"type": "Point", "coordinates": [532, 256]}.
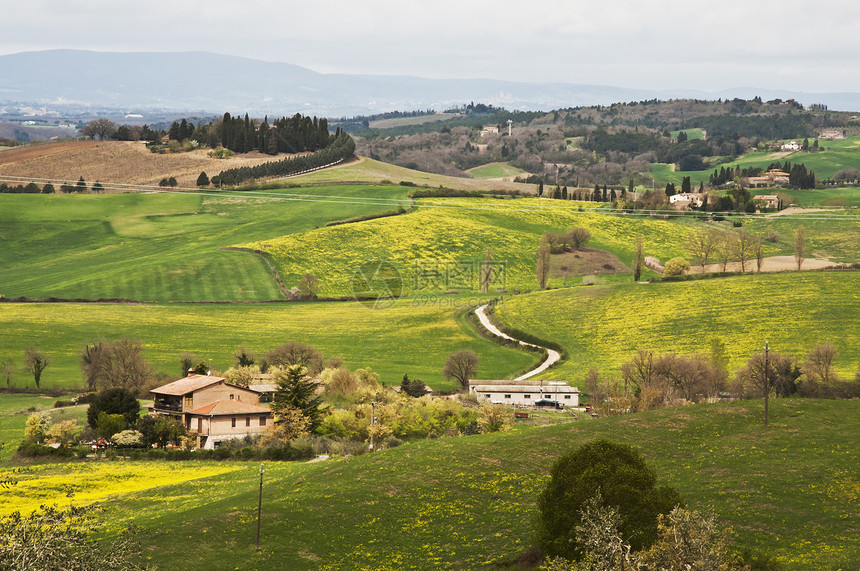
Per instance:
{"type": "Point", "coordinates": [115, 400]}
{"type": "Point", "coordinates": [620, 475]}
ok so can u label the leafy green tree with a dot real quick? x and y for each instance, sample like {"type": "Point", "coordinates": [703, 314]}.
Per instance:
{"type": "Point", "coordinates": [296, 390]}
{"type": "Point", "coordinates": [98, 188]}
{"type": "Point", "coordinates": [543, 261]}
{"type": "Point", "coordinates": [462, 365]}
{"type": "Point", "coordinates": [412, 387]}
{"type": "Point", "coordinates": [48, 188]}
{"type": "Point", "coordinates": [81, 185]}
{"type": "Point", "coordinates": [35, 427]}
{"type": "Point", "coordinates": [244, 357]}
{"type": "Point", "coordinates": [35, 363]}
{"type": "Point", "coordinates": [109, 424]}
{"type": "Point", "coordinates": [619, 474]}
{"type": "Point", "coordinates": [638, 258]}
{"type": "Point", "coordinates": [116, 400]}
{"type": "Point", "coordinates": [676, 267]}
{"type": "Point", "coordinates": [203, 179]}
{"type": "Point", "coordinates": [160, 429]}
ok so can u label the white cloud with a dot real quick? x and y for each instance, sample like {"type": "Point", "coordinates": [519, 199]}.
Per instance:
{"type": "Point", "coordinates": [658, 43]}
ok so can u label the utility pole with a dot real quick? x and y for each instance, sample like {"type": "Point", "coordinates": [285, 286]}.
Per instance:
{"type": "Point", "coordinates": [259, 506]}
{"type": "Point", "coordinates": [766, 380]}
{"type": "Point", "coordinates": [372, 422]}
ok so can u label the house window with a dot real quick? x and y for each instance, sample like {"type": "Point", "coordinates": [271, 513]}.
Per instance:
{"type": "Point", "coordinates": [567, 397]}
{"type": "Point", "coordinates": [507, 396]}
{"type": "Point", "coordinates": [199, 425]}
{"type": "Point", "coordinates": [527, 396]}
{"type": "Point", "coordinates": [488, 395]}
{"type": "Point", "coordinates": [262, 421]}
{"type": "Point", "coordinates": [234, 422]}
{"type": "Point", "coordinates": [247, 421]}
{"type": "Point", "coordinates": [189, 402]}
{"type": "Point", "coordinates": [231, 397]}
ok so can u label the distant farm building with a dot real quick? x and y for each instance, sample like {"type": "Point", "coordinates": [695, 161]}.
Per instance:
{"type": "Point", "coordinates": [773, 177]}
{"type": "Point", "coordinates": [766, 200]}
{"type": "Point", "coordinates": [791, 146]}
{"type": "Point", "coordinates": [831, 134]}
{"type": "Point", "coordinates": [687, 199]}
{"type": "Point", "coordinates": [527, 392]}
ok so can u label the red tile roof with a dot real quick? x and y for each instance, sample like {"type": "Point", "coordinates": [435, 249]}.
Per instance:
{"type": "Point", "coordinates": [229, 407]}
{"type": "Point", "coordinates": [187, 385]}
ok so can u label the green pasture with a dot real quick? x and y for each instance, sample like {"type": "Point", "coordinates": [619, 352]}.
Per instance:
{"type": "Point", "coordinates": [790, 491]}
{"type": "Point", "coordinates": [162, 247]}
{"type": "Point", "coordinates": [834, 236]}
{"type": "Point", "coordinates": [691, 133]}
{"type": "Point", "coordinates": [495, 170]}
{"type": "Point", "coordinates": [442, 233]}
{"type": "Point", "coordinates": [602, 327]}
{"type": "Point", "coordinates": [413, 336]}
{"type": "Point", "coordinates": [837, 155]}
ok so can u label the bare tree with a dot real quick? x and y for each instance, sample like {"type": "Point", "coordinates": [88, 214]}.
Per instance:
{"type": "Point", "coordinates": [116, 364]}
{"type": "Point", "coordinates": [487, 272]}
{"type": "Point", "coordinates": [101, 128]}
{"type": "Point", "coordinates": [725, 249]}
{"type": "Point", "coordinates": [799, 246]}
{"type": "Point", "coordinates": [701, 246]}
{"type": "Point", "coordinates": [818, 366]}
{"type": "Point", "coordinates": [462, 366]}
{"type": "Point", "coordinates": [294, 353]}
{"type": "Point", "coordinates": [758, 253]}
{"type": "Point", "coordinates": [578, 237]}
{"type": "Point", "coordinates": [543, 261]}
{"type": "Point", "coordinates": [7, 370]}
{"type": "Point", "coordinates": [309, 286]}
{"type": "Point", "coordinates": [742, 246]}
{"type": "Point", "coordinates": [35, 363]}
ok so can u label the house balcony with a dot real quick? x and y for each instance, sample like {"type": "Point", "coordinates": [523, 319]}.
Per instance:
{"type": "Point", "coordinates": [167, 406]}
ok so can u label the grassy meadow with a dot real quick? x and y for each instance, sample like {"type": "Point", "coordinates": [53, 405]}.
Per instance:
{"type": "Point", "coordinates": [461, 230]}
{"type": "Point", "coordinates": [603, 326]}
{"type": "Point", "coordinates": [790, 490]}
{"type": "Point", "coordinates": [162, 247]}
{"type": "Point", "coordinates": [837, 155]}
{"type": "Point", "coordinates": [410, 336]}
{"type": "Point", "coordinates": [495, 170]}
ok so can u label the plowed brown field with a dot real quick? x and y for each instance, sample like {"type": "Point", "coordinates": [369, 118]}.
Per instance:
{"type": "Point", "coordinates": [115, 162]}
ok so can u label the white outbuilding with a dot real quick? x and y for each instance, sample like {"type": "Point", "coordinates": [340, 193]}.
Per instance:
{"type": "Point", "coordinates": [529, 392]}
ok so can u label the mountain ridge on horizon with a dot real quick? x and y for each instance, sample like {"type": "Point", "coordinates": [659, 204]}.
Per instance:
{"type": "Point", "coordinates": [203, 81]}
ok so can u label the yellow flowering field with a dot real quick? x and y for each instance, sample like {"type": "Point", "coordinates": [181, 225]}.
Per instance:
{"type": "Point", "coordinates": [461, 230]}
{"type": "Point", "coordinates": [603, 326]}
{"type": "Point", "coordinates": [87, 483]}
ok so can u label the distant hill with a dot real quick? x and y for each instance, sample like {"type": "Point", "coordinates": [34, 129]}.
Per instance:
{"type": "Point", "coordinates": [86, 81]}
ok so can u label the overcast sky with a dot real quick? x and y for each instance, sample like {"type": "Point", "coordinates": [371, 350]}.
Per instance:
{"type": "Point", "coordinates": [786, 44]}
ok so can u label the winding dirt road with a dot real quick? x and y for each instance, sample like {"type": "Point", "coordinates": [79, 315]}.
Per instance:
{"type": "Point", "coordinates": [552, 356]}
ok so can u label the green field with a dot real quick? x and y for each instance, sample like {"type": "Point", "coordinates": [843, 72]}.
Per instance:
{"type": "Point", "coordinates": [412, 336]}
{"type": "Point", "coordinates": [691, 133]}
{"type": "Point", "coordinates": [837, 156]}
{"type": "Point", "coordinates": [495, 170]}
{"type": "Point", "coordinates": [460, 230]}
{"type": "Point", "coordinates": [603, 327]}
{"type": "Point", "coordinates": [790, 491]}
{"type": "Point", "coordinates": [161, 247]}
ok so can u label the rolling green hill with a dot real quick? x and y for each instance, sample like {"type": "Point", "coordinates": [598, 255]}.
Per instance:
{"type": "Point", "coordinates": [411, 336]}
{"type": "Point", "coordinates": [602, 327]}
{"type": "Point", "coordinates": [161, 247]}
{"type": "Point", "coordinates": [790, 490]}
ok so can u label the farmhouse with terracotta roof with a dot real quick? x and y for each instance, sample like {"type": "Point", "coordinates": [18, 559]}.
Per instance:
{"type": "Point", "coordinates": [212, 409]}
